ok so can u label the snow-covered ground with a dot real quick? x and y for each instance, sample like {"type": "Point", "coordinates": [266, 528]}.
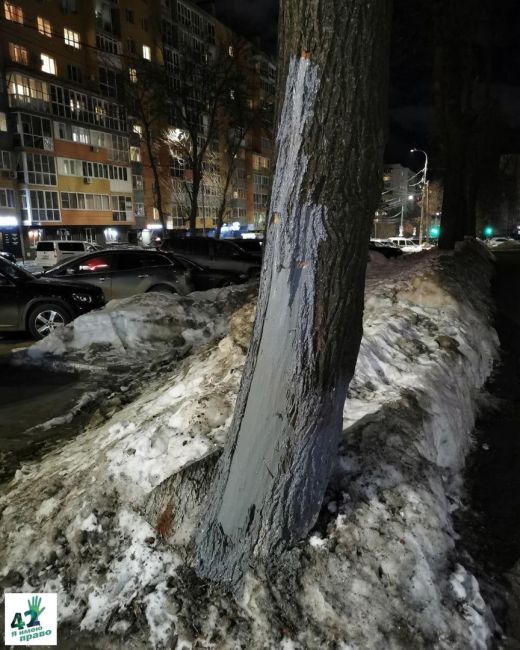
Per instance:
{"type": "Point", "coordinates": [143, 328]}
{"type": "Point", "coordinates": [381, 568]}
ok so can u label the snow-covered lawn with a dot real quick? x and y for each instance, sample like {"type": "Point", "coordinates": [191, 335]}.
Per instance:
{"type": "Point", "coordinates": [381, 568]}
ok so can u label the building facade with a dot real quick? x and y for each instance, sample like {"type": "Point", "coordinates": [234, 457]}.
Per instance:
{"type": "Point", "coordinates": [71, 158]}
{"type": "Point", "coordinates": [397, 211]}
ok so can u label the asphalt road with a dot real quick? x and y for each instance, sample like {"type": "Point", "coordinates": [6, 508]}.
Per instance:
{"type": "Point", "coordinates": [10, 342]}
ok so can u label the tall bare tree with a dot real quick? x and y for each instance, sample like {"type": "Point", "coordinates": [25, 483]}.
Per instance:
{"type": "Point", "coordinates": [147, 94]}
{"type": "Point", "coordinates": [243, 116]}
{"type": "Point", "coordinates": [288, 417]}
{"type": "Point", "coordinates": [203, 87]}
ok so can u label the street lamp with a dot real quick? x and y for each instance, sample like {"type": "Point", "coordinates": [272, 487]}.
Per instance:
{"type": "Point", "coordinates": [424, 189]}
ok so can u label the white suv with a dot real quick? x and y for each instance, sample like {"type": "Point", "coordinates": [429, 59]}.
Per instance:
{"type": "Point", "coordinates": [405, 244]}
{"type": "Point", "coordinates": [52, 251]}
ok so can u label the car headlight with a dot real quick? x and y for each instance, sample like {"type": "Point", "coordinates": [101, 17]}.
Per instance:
{"type": "Point", "coordinates": [83, 298]}
{"type": "Point", "coordinates": [243, 276]}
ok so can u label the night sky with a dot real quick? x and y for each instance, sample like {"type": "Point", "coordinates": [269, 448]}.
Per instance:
{"type": "Point", "coordinates": [251, 18]}
{"type": "Point", "coordinates": [411, 117]}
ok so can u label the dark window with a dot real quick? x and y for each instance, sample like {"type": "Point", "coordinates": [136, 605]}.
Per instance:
{"type": "Point", "coordinates": [155, 260]}
{"type": "Point", "coordinates": [74, 73]}
{"type": "Point", "coordinates": [129, 15]}
{"type": "Point", "coordinates": [131, 46]}
{"type": "Point", "coordinates": [70, 246]}
{"type": "Point", "coordinates": [128, 261]}
{"type": "Point", "coordinates": [85, 265]}
{"type": "Point", "coordinates": [197, 246]}
{"type": "Point", "coordinates": [45, 246]}
{"type": "Point", "coordinates": [226, 250]}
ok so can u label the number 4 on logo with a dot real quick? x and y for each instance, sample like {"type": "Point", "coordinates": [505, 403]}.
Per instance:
{"type": "Point", "coordinates": [18, 621]}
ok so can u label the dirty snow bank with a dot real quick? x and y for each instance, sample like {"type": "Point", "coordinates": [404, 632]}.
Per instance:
{"type": "Point", "coordinates": [381, 568]}
{"type": "Point", "coordinates": [141, 327]}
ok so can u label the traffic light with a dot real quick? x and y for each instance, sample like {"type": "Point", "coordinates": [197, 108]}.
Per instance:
{"type": "Point", "coordinates": [488, 231]}
{"type": "Point", "coordinates": [435, 231]}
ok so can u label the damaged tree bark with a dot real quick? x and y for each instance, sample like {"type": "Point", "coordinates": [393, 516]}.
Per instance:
{"type": "Point", "coordinates": [288, 417]}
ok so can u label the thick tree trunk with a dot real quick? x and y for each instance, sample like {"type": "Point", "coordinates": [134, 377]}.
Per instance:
{"type": "Point", "coordinates": [223, 201]}
{"type": "Point", "coordinates": [453, 202]}
{"type": "Point", "coordinates": [194, 207]}
{"type": "Point", "coordinates": [288, 417]}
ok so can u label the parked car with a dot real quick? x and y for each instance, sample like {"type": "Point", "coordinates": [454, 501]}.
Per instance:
{"type": "Point", "coordinates": [498, 241]}
{"type": "Point", "coordinates": [203, 278]}
{"type": "Point", "coordinates": [388, 250]}
{"type": "Point", "coordinates": [216, 254]}
{"type": "Point", "coordinates": [40, 305]}
{"type": "Point", "coordinates": [406, 244]}
{"type": "Point", "coordinates": [253, 247]}
{"type": "Point", "coordinates": [125, 272]}
{"type": "Point", "coordinates": [53, 251]}
{"type": "Point", "coordinates": [8, 256]}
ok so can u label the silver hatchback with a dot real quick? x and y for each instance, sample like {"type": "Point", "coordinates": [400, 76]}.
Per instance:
{"type": "Point", "coordinates": [124, 273]}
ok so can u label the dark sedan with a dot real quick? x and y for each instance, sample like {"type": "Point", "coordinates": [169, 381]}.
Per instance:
{"type": "Point", "coordinates": [40, 305]}
{"type": "Point", "coordinates": [125, 272]}
{"type": "Point", "coordinates": [203, 278]}
{"type": "Point", "coordinates": [216, 254]}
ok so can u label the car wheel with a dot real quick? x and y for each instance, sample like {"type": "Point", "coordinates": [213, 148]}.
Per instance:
{"type": "Point", "coordinates": [45, 318]}
{"type": "Point", "coordinates": [161, 288]}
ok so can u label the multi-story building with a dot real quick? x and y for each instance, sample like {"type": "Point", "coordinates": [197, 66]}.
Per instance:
{"type": "Point", "coordinates": [71, 164]}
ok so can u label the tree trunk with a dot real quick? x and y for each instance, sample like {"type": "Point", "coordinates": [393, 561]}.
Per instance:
{"type": "Point", "coordinates": [194, 207]}
{"type": "Point", "coordinates": [157, 186]}
{"type": "Point", "coordinates": [453, 203]}
{"type": "Point", "coordinates": [282, 442]}
{"type": "Point", "coordinates": [223, 201]}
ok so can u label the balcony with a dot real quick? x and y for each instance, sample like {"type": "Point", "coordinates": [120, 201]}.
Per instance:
{"type": "Point", "coordinates": [108, 44]}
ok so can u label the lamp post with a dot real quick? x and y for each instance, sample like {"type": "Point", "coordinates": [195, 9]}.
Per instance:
{"type": "Point", "coordinates": [424, 189]}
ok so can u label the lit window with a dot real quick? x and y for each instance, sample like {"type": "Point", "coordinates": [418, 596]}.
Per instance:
{"type": "Point", "coordinates": [71, 38]}
{"type": "Point", "coordinates": [137, 128]}
{"type": "Point", "coordinates": [231, 51]}
{"type": "Point", "coordinates": [147, 53]}
{"type": "Point", "coordinates": [18, 53]}
{"type": "Point", "coordinates": [133, 75]}
{"type": "Point", "coordinates": [13, 12]}
{"type": "Point", "coordinates": [48, 64]}
{"type": "Point", "coordinates": [135, 154]}
{"type": "Point", "coordinates": [3, 122]}
{"type": "Point", "coordinates": [44, 26]}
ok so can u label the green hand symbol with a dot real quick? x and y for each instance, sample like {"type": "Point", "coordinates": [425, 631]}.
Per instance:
{"type": "Point", "coordinates": [34, 611]}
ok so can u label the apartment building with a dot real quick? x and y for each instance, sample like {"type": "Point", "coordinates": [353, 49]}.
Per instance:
{"type": "Point", "coordinates": [72, 165]}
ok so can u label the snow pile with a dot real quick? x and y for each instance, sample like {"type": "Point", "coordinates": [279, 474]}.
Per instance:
{"type": "Point", "coordinates": [143, 326]}
{"type": "Point", "coordinates": [381, 568]}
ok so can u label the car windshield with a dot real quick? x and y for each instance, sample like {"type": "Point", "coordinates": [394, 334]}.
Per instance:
{"type": "Point", "coordinates": [14, 272]}
{"type": "Point", "coordinates": [249, 245]}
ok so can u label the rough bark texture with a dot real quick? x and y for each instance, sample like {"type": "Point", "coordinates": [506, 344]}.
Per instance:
{"type": "Point", "coordinates": [174, 506]}
{"type": "Point", "coordinates": [288, 416]}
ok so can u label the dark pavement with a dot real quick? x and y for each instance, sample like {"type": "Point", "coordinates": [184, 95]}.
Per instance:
{"type": "Point", "coordinates": [490, 527]}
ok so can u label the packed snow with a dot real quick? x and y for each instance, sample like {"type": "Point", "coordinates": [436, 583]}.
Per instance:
{"type": "Point", "coordinates": [140, 328]}
{"type": "Point", "coordinates": [380, 570]}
